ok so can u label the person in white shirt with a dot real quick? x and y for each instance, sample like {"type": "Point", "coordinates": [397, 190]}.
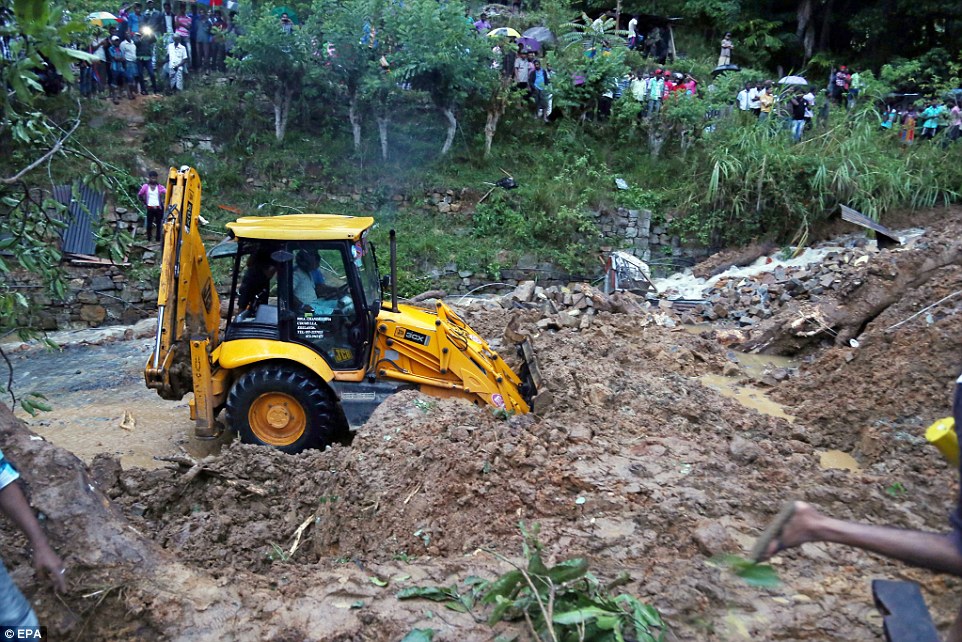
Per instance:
{"type": "Point", "coordinates": [522, 69]}
{"type": "Point", "coordinates": [743, 98]}
{"type": "Point", "coordinates": [152, 196]}
{"type": "Point", "coordinates": [633, 32]}
{"type": "Point", "coordinates": [176, 59]}
{"type": "Point", "coordinates": [639, 87]}
{"type": "Point", "coordinates": [129, 50]}
{"type": "Point", "coordinates": [809, 99]}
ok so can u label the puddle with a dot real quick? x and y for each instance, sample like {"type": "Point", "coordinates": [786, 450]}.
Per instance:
{"type": "Point", "coordinates": [755, 365]}
{"type": "Point", "coordinates": [745, 395]}
{"type": "Point", "coordinates": [836, 459]}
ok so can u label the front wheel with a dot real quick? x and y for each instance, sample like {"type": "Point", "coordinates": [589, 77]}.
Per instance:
{"type": "Point", "coordinates": [283, 407]}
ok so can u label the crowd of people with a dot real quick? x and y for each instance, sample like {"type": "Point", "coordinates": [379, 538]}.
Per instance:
{"type": "Point", "coordinates": [145, 40]}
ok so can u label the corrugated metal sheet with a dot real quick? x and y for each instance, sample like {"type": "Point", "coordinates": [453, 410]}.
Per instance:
{"type": "Point", "coordinates": [84, 208]}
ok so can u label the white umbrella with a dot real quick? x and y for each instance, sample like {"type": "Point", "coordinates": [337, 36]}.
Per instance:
{"type": "Point", "coordinates": [792, 80]}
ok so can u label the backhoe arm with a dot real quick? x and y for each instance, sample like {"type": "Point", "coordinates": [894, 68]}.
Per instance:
{"type": "Point", "coordinates": [188, 308]}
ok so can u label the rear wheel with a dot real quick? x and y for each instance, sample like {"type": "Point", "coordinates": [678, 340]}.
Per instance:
{"type": "Point", "coordinates": [284, 407]}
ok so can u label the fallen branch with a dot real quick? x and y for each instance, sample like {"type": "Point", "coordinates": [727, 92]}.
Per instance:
{"type": "Point", "coordinates": [49, 154]}
{"type": "Point", "coordinates": [195, 468]}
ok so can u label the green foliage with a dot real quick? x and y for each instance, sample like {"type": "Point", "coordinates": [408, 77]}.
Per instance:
{"type": "Point", "coordinates": [754, 574]}
{"type": "Point", "coordinates": [752, 181]}
{"type": "Point", "coordinates": [562, 602]}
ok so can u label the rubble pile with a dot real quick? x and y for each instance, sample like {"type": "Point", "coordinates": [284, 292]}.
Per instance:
{"type": "Point", "coordinates": [748, 300]}
{"type": "Point", "coordinates": [576, 304]}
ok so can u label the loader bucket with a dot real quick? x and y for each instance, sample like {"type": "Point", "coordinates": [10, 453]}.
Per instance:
{"type": "Point", "coordinates": [538, 397]}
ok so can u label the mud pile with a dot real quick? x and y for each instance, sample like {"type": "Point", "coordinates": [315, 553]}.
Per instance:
{"type": "Point", "coordinates": [637, 465]}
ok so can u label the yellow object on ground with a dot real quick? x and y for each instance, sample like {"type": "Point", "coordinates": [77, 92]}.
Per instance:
{"type": "Point", "coordinates": [942, 435]}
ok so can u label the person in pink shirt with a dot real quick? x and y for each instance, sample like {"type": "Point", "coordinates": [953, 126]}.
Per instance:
{"type": "Point", "coordinates": [152, 196]}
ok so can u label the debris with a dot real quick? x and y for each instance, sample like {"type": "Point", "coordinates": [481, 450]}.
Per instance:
{"type": "Point", "coordinates": [299, 532]}
{"type": "Point", "coordinates": [128, 422]}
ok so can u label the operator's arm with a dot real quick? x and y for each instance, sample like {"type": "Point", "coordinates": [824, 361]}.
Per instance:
{"type": "Point", "coordinates": [14, 505]}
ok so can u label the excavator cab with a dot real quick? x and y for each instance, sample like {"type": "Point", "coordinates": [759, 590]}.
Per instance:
{"type": "Point", "coordinates": [309, 345]}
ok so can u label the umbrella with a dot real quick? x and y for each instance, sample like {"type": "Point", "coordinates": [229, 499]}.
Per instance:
{"type": "Point", "coordinates": [721, 69]}
{"type": "Point", "coordinates": [277, 11]}
{"type": "Point", "coordinates": [530, 44]}
{"type": "Point", "coordinates": [503, 32]}
{"type": "Point", "coordinates": [792, 80]}
{"type": "Point", "coordinates": [102, 19]}
{"type": "Point", "coordinates": [541, 34]}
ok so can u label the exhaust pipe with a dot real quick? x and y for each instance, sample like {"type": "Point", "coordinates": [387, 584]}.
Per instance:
{"type": "Point", "coordinates": [393, 237]}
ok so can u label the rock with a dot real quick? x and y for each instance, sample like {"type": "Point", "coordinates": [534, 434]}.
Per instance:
{"type": "Point", "coordinates": [731, 370]}
{"type": "Point", "coordinates": [465, 274]}
{"type": "Point", "coordinates": [93, 314]}
{"type": "Point", "coordinates": [579, 433]}
{"type": "Point", "coordinates": [99, 283]}
{"type": "Point", "coordinates": [743, 451]}
{"type": "Point", "coordinates": [524, 292]}
{"type": "Point", "coordinates": [711, 538]}
{"type": "Point", "coordinates": [443, 207]}
{"type": "Point", "coordinates": [88, 297]}
{"type": "Point", "coordinates": [720, 310]}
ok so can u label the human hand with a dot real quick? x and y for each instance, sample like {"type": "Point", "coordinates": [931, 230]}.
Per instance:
{"type": "Point", "coordinates": [45, 561]}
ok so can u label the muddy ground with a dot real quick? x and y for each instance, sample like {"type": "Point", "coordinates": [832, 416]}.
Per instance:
{"type": "Point", "coordinates": [653, 459]}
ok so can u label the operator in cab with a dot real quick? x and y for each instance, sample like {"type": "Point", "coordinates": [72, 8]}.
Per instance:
{"type": "Point", "coordinates": [255, 285]}
{"type": "Point", "coordinates": [311, 293]}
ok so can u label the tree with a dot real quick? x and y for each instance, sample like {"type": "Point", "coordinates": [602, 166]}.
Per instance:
{"type": "Point", "coordinates": [440, 53]}
{"type": "Point", "coordinates": [278, 62]}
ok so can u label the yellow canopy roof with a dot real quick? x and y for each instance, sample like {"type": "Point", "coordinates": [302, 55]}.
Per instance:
{"type": "Point", "coordinates": [301, 227]}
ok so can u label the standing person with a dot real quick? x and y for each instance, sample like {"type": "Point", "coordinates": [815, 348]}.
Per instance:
{"type": "Point", "coordinates": [194, 31]}
{"type": "Point", "coordinates": [482, 25]}
{"type": "Point", "coordinates": [809, 99]}
{"type": "Point", "coordinates": [154, 19]}
{"type": "Point", "coordinates": [797, 107]}
{"type": "Point", "coordinates": [907, 133]}
{"type": "Point", "coordinates": [800, 523]}
{"type": "Point", "coordinates": [633, 32]}
{"type": "Point", "coordinates": [743, 100]}
{"type": "Point", "coordinates": [152, 196]}
{"type": "Point", "coordinates": [842, 80]}
{"type": "Point", "coordinates": [118, 67]}
{"type": "Point", "coordinates": [170, 24]}
{"type": "Point", "coordinates": [930, 119]}
{"type": "Point", "coordinates": [639, 87]}
{"type": "Point", "coordinates": [656, 90]}
{"type": "Point", "coordinates": [15, 610]}
{"type": "Point", "coordinates": [538, 80]}
{"type": "Point", "coordinates": [287, 25]}
{"type": "Point", "coordinates": [766, 101]}
{"type": "Point", "coordinates": [134, 19]}
{"type": "Point", "coordinates": [99, 49]}
{"type": "Point", "coordinates": [753, 99]}
{"type": "Point", "coordinates": [183, 21]}
{"type": "Point", "coordinates": [725, 57]}
{"type": "Point", "coordinates": [129, 50]}
{"type": "Point", "coordinates": [218, 36]}
{"type": "Point", "coordinates": [889, 116]}
{"type": "Point", "coordinates": [854, 87]}
{"type": "Point", "coordinates": [508, 60]}
{"type": "Point", "coordinates": [204, 25]}
{"type": "Point", "coordinates": [145, 62]}
{"type": "Point", "coordinates": [177, 57]}
{"type": "Point", "coordinates": [955, 125]}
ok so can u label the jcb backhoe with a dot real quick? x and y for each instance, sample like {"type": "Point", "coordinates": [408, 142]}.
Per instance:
{"type": "Point", "coordinates": [310, 347]}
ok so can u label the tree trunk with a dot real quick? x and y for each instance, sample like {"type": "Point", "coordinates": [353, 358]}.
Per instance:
{"type": "Point", "coordinates": [824, 39]}
{"type": "Point", "coordinates": [617, 15]}
{"type": "Point", "coordinates": [355, 122]}
{"type": "Point", "coordinates": [806, 30]}
{"type": "Point", "coordinates": [282, 108]}
{"type": "Point", "coordinates": [490, 127]}
{"type": "Point", "coordinates": [382, 122]}
{"type": "Point", "coordinates": [452, 129]}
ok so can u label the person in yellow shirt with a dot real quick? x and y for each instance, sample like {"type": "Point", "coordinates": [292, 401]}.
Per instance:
{"type": "Point", "coordinates": [767, 100]}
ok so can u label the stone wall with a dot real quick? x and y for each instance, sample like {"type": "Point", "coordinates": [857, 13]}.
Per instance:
{"type": "Point", "coordinates": [641, 234]}
{"type": "Point", "coordinates": [95, 296]}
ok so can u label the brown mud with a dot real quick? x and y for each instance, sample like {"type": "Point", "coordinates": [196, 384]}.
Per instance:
{"type": "Point", "coordinates": [644, 464]}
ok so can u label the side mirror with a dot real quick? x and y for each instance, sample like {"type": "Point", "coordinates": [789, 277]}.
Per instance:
{"type": "Point", "coordinates": [386, 282]}
{"type": "Point", "coordinates": [282, 256]}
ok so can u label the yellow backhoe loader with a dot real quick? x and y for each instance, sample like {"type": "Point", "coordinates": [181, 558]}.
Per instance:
{"type": "Point", "coordinates": [310, 346]}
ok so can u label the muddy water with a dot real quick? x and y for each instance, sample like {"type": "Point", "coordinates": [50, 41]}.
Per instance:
{"type": "Point", "coordinates": [746, 395]}
{"type": "Point", "coordinates": [100, 403]}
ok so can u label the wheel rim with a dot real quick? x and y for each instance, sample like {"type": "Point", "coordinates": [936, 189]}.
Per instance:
{"type": "Point", "coordinates": [277, 419]}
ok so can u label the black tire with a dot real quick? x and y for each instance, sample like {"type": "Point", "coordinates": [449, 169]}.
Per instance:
{"type": "Point", "coordinates": [269, 404]}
